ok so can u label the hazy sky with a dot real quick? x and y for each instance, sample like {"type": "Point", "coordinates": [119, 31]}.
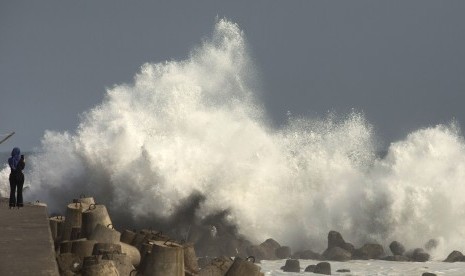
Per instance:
{"type": "Point", "coordinates": [400, 62]}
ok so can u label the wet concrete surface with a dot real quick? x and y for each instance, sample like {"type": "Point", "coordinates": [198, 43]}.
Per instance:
{"type": "Point", "coordinates": [26, 246]}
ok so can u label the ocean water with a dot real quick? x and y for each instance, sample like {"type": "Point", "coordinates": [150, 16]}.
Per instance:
{"type": "Point", "coordinates": [371, 268]}
{"type": "Point", "coordinates": [198, 127]}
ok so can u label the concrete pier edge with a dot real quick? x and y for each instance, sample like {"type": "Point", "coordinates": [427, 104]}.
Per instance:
{"type": "Point", "coordinates": [26, 245]}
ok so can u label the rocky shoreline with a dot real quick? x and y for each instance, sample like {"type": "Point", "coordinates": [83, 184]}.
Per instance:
{"type": "Point", "coordinates": [87, 244]}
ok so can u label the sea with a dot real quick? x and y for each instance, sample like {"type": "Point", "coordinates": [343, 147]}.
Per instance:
{"type": "Point", "coordinates": [371, 268]}
{"type": "Point", "coordinates": [188, 147]}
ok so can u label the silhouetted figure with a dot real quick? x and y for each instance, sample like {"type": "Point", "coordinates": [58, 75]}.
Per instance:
{"type": "Point", "coordinates": [17, 164]}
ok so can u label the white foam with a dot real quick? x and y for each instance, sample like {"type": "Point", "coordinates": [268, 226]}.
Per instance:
{"type": "Point", "coordinates": [198, 125]}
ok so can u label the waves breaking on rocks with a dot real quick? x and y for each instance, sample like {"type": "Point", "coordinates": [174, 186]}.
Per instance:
{"type": "Point", "coordinates": [188, 143]}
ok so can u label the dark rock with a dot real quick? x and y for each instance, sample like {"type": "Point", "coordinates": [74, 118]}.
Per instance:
{"type": "Point", "coordinates": [265, 251]}
{"type": "Point", "coordinates": [418, 255]}
{"type": "Point", "coordinates": [337, 254]}
{"type": "Point", "coordinates": [349, 247]}
{"type": "Point", "coordinates": [307, 255]}
{"type": "Point", "coordinates": [335, 239]}
{"type": "Point", "coordinates": [431, 244]}
{"type": "Point", "coordinates": [397, 248]}
{"type": "Point", "coordinates": [369, 251]}
{"type": "Point", "coordinates": [291, 265]}
{"type": "Point", "coordinates": [283, 252]}
{"type": "Point", "coordinates": [270, 247]}
{"type": "Point", "coordinates": [270, 243]}
{"type": "Point", "coordinates": [323, 268]}
{"type": "Point", "coordinates": [455, 256]}
{"type": "Point", "coordinates": [310, 268]}
{"type": "Point", "coordinates": [257, 251]}
{"type": "Point", "coordinates": [396, 258]}
{"type": "Point", "coordinates": [343, 270]}
{"type": "Point", "coordinates": [428, 274]}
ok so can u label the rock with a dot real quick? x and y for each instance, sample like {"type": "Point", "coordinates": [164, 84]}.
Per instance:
{"type": "Point", "coordinates": [335, 239]}
{"type": "Point", "coordinates": [369, 251]}
{"type": "Point", "coordinates": [343, 270]}
{"type": "Point", "coordinates": [428, 274]}
{"type": "Point", "coordinates": [397, 248]}
{"type": "Point", "coordinates": [323, 268]}
{"type": "Point", "coordinates": [455, 256]}
{"type": "Point", "coordinates": [283, 252]}
{"type": "Point", "coordinates": [418, 255]}
{"type": "Point", "coordinates": [257, 252]}
{"type": "Point", "coordinates": [349, 247]}
{"type": "Point", "coordinates": [291, 265]}
{"type": "Point", "coordinates": [264, 251]}
{"type": "Point", "coordinates": [270, 247]}
{"type": "Point", "coordinates": [431, 244]}
{"type": "Point", "coordinates": [337, 254]}
{"type": "Point", "coordinates": [396, 258]}
{"type": "Point", "coordinates": [270, 243]}
{"type": "Point", "coordinates": [338, 249]}
{"type": "Point", "coordinates": [310, 268]}
{"type": "Point", "coordinates": [307, 255]}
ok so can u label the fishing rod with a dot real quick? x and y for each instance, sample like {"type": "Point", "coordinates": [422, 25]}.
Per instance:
{"type": "Point", "coordinates": [6, 138]}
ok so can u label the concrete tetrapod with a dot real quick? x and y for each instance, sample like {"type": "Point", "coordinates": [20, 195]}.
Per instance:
{"type": "Point", "coordinates": [122, 262]}
{"type": "Point", "coordinates": [65, 246]}
{"type": "Point", "coordinates": [132, 253]}
{"type": "Point", "coordinates": [166, 258]}
{"type": "Point", "coordinates": [105, 234]}
{"type": "Point", "coordinates": [101, 248]}
{"type": "Point", "coordinates": [85, 199]}
{"type": "Point", "coordinates": [190, 259]}
{"type": "Point", "coordinates": [218, 267]}
{"type": "Point", "coordinates": [73, 218]}
{"type": "Point", "coordinates": [96, 266]}
{"type": "Point", "coordinates": [127, 236]}
{"type": "Point", "coordinates": [95, 214]}
{"type": "Point", "coordinates": [242, 267]}
{"type": "Point", "coordinates": [83, 248]}
{"type": "Point", "coordinates": [56, 226]}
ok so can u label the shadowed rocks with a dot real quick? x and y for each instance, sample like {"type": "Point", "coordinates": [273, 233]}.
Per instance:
{"type": "Point", "coordinates": [307, 255]}
{"type": "Point", "coordinates": [291, 265]}
{"type": "Point", "coordinates": [369, 251]}
{"type": "Point", "coordinates": [320, 268]}
{"type": "Point", "coordinates": [455, 256]}
{"type": "Point", "coordinates": [397, 248]}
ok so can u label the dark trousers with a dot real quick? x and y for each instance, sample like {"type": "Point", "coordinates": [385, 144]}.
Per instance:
{"type": "Point", "coordinates": [16, 187]}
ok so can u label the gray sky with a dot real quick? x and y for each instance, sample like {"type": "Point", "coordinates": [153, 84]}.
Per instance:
{"type": "Point", "coordinates": [400, 62]}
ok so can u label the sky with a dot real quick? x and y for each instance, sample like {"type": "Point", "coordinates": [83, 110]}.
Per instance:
{"type": "Point", "coordinates": [400, 63]}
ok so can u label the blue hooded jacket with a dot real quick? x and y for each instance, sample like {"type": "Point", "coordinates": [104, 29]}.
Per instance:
{"type": "Point", "coordinates": [13, 161]}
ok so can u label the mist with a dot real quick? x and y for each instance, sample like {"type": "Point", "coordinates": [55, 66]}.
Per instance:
{"type": "Point", "coordinates": [188, 145]}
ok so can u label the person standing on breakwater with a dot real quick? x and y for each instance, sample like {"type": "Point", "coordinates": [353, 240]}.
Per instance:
{"type": "Point", "coordinates": [17, 164]}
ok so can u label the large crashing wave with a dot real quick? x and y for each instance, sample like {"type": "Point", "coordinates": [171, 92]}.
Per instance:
{"type": "Point", "coordinates": [196, 127]}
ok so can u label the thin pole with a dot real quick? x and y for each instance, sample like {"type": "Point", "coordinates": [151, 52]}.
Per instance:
{"type": "Point", "coordinates": [6, 138]}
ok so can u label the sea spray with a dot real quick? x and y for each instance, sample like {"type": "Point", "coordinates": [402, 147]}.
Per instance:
{"type": "Point", "coordinates": [188, 143]}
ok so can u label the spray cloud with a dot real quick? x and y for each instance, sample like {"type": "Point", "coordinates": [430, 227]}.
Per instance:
{"type": "Point", "coordinates": [193, 133]}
